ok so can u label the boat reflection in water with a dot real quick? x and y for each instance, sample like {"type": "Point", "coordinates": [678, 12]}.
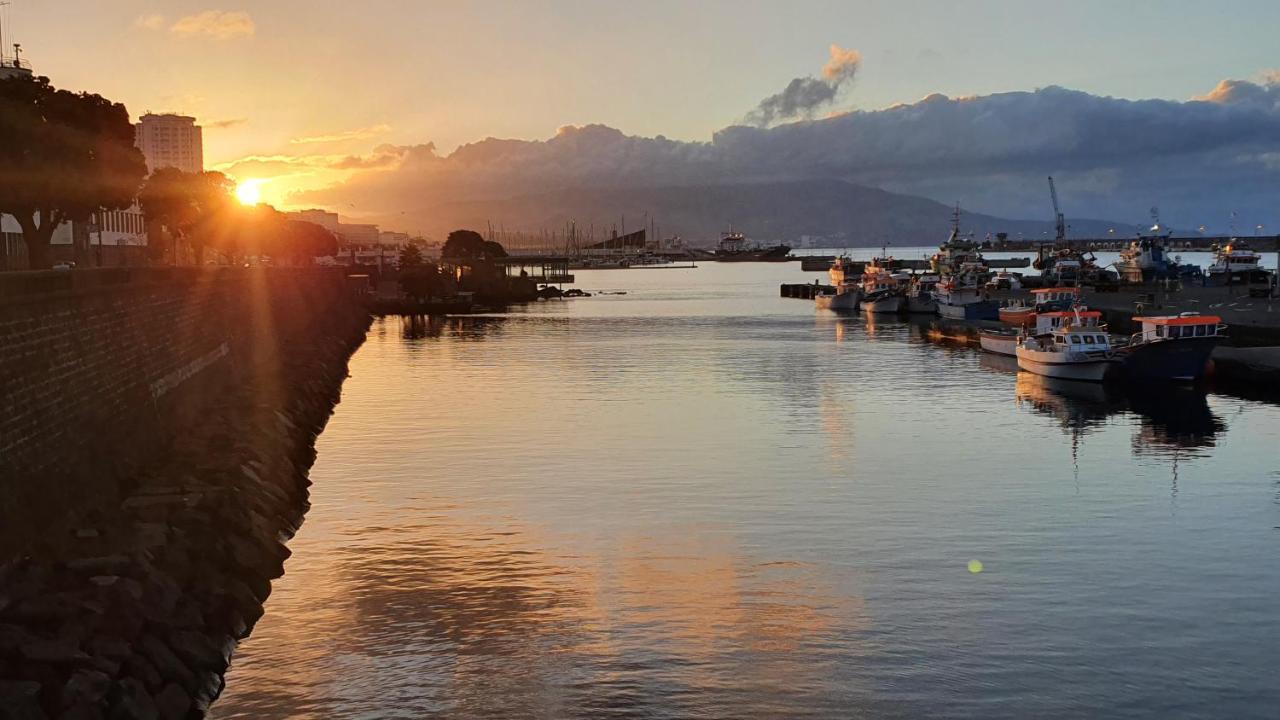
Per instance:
{"type": "Point", "coordinates": [1173, 422]}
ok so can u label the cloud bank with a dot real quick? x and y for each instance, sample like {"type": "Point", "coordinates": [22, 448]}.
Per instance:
{"type": "Point", "coordinates": [1198, 160]}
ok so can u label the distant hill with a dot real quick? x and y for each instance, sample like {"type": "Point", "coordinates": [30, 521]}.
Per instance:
{"type": "Point", "coordinates": [851, 215]}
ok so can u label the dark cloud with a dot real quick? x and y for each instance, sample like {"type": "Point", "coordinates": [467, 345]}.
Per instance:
{"type": "Point", "coordinates": [1114, 158]}
{"type": "Point", "coordinates": [805, 96]}
{"type": "Point", "coordinates": [224, 124]}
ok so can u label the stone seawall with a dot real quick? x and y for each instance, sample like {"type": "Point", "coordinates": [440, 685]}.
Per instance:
{"type": "Point", "coordinates": [156, 434]}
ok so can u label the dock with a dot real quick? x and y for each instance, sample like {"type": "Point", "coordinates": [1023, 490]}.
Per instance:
{"type": "Point", "coordinates": [823, 263]}
{"type": "Point", "coordinates": [805, 291]}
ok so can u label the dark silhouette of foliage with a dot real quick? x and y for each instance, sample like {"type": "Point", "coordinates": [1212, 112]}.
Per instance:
{"type": "Point", "coordinates": [471, 245]}
{"type": "Point", "coordinates": [422, 281]}
{"type": "Point", "coordinates": [410, 257]}
{"type": "Point", "coordinates": [65, 156]}
{"type": "Point", "coordinates": [197, 208]}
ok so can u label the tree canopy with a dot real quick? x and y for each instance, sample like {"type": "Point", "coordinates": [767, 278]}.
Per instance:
{"type": "Point", "coordinates": [470, 245]}
{"type": "Point", "coordinates": [193, 207]}
{"type": "Point", "coordinates": [64, 156]}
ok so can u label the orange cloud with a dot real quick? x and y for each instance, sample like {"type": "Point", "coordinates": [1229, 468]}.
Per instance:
{"type": "Point", "coordinates": [149, 22]}
{"type": "Point", "coordinates": [217, 24]}
{"type": "Point", "coordinates": [357, 134]}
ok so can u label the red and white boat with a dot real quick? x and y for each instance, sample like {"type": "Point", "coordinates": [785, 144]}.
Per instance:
{"type": "Point", "coordinates": [1022, 312]}
{"type": "Point", "coordinates": [1005, 342]}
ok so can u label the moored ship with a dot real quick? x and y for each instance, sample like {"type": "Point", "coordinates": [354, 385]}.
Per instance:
{"type": "Point", "coordinates": [1070, 352]}
{"type": "Point", "coordinates": [1172, 347]}
{"type": "Point", "coordinates": [734, 247]}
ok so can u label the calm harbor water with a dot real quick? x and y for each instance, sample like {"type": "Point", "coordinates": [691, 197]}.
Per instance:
{"type": "Point", "coordinates": [700, 500]}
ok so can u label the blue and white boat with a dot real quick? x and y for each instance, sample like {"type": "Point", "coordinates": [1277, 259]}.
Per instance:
{"type": "Point", "coordinates": [1172, 347]}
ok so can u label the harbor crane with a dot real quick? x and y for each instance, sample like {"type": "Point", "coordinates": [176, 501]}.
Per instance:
{"type": "Point", "coordinates": [1060, 222]}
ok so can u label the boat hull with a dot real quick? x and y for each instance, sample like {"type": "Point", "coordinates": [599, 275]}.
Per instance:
{"type": "Point", "coordinates": [981, 310]}
{"type": "Point", "coordinates": [842, 301]}
{"type": "Point", "coordinates": [1174, 359]}
{"type": "Point", "coordinates": [1020, 317]}
{"type": "Point", "coordinates": [1052, 365]}
{"type": "Point", "coordinates": [999, 343]}
{"type": "Point", "coordinates": [890, 304]}
{"type": "Point", "coordinates": [922, 305]}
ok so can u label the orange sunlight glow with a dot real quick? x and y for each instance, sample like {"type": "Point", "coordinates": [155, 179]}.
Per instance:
{"type": "Point", "coordinates": [249, 192]}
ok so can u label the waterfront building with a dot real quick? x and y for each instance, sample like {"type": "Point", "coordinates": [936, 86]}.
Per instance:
{"type": "Point", "coordinates": [170, 140]}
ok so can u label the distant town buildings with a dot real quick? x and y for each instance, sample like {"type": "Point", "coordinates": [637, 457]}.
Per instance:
{"type": "Point", "coordinates": [170, 141]}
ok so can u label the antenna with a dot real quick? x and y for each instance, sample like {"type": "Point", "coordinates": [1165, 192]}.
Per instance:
{"type": "Point", "coordinates": [3, 5]}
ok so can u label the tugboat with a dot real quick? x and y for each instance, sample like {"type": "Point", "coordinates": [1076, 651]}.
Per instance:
{"type": "Point", "coordinates": [1005, 342]}
{"type": "Point", "coordinates": [1071, 352]}
{"type": "Point", "coordinates": [1172, 347]}
{"type": "Point", "coordinates": [1236, 264]}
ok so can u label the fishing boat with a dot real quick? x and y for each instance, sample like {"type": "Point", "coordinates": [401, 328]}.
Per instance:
{"type": "Point", "coordinates": [1236, 264]}
{"type": "Point", "coordinates": [1022, 312]}
{"type": "Point", "coordinates": [1070, 352]}
{"type": "Point", "coordinates": [1005, 280]}
{"type": "Point", "coordinates": [1005, 341]}
{"type": "Point", "coordinates": [960, 296]}
{"type": "Point", "coordinates": [1172, 347]}
{"type": "Point", "coordinates": [733, 247]}
{"type": "Point", "coordinates": [845, 296]}
{"type": "Point", "coordinates": [843, 269]}
{"type": "Point", "coordinates": [1147, 258]}
{"type": "Point", "coordinates": [962, 272]}
{"type": "Point", "coordinates": [920, 297]}
{"type": "Point", "coordinates": [882, 290]}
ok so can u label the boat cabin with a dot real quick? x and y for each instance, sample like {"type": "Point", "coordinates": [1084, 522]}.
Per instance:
{"type": "Point", "coordinates": [1091, 341]}
{"type": "Point", "coordinates": [1049, 321]}
{"type": "Point", "coordinates": [1177, 327]}
{"type": "Point", "coordinates": [1063, 297]}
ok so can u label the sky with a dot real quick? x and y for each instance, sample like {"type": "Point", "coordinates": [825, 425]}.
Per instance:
{"type": "Point", "coordinates": [328, 81]}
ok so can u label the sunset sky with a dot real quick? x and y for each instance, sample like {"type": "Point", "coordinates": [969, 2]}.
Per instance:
{"type": "Point", "coordinates": [314, 87]}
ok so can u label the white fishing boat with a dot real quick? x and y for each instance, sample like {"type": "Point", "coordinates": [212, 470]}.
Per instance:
{"type": "Point", "coordinates": [1070, 352]}
{"type": "Point", "coordinates": [1236, 264]}
{"type": "Point", "coordinates": [1006, 341]}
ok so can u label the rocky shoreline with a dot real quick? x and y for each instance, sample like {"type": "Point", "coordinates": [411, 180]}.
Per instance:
{"type": "Point", "coordinates": [133, 610]}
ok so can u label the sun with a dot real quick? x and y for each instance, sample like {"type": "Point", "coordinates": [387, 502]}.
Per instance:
{"type": "Point", "coordinates": [249, 192]}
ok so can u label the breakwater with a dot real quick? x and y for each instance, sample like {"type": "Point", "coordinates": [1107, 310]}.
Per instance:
{"type": "Point", "coordinates": [156, 434]}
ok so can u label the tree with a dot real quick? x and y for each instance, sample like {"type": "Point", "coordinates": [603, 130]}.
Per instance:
{"type": "Point", "coordinates": [410, 257]}
{"type": "Point", "coordinates": [197, 208]}
{"type": "Point", "coordinates": [421, 281]}
{"type": "Point", "coordinates": [65, 156]}
{"type": "Point", "coordinates": [305, 241]}
{"type": "Point", "coordinates": [471, 245]}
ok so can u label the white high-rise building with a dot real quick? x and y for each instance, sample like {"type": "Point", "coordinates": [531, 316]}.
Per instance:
{"type": "Point", "coordinates": [171, 141]}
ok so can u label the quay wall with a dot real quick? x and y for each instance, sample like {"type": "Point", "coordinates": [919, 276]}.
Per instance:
{"type": "Point", "coordinates": [156, 429]}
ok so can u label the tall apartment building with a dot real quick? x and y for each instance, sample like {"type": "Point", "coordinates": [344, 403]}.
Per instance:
{"type": "Point", "coordinates": [171, 141]}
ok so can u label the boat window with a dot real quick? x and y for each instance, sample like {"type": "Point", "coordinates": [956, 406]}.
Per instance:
{"type": "Point", "coordinates": [1075, 339]}
{"type": "Point", "coordinates": [1202, 330]}
{"type": "Point", "coordinates": [1159, 331]}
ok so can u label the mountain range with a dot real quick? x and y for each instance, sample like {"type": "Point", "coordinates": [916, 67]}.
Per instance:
{"type": "Point", "coordinates": [842, 213]}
